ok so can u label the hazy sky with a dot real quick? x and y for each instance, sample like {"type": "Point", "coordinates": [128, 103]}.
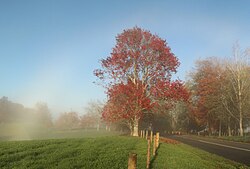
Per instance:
{"type": "Point", "coordinates": [49, 48]}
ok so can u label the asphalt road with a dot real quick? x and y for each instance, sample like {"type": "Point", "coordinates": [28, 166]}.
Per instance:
{"type": "Point", "coordinates": [239, 152]}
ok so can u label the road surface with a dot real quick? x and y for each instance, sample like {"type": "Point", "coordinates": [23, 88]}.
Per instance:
{"type": "Point", "coordinates": [239, 152]}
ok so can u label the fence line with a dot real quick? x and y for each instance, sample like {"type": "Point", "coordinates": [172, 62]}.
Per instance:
{"type": "Point", "coordinates": [152, 146]}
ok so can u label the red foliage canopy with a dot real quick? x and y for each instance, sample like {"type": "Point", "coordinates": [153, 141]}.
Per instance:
{"type": "Point", "coordinates": [208, 85]}
{"type": "Point", "coordinates": [170, 90]}
{"type": "Point", "coordinates": [138, 55]}
{"type": "Point", "coordinates": [125, 102]}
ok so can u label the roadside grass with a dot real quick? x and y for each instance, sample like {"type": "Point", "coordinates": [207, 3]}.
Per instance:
{"type": "Point", "coordinates": [244, 139]}
{"type": "Point", "coordinates": [180, 156]}
{"type": "Point", "coordinates": [104, 152]}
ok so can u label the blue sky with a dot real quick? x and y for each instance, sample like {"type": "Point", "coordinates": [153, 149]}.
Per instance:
{"type": "Point", "coordinates": [49, 48]}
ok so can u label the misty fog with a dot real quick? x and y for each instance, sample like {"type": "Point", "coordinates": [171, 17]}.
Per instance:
{"type": "Point", "coordinates": [21, 123]}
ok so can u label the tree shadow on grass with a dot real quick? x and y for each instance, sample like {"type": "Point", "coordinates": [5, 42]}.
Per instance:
{"type": "Point", "coordinates": [154, 157]}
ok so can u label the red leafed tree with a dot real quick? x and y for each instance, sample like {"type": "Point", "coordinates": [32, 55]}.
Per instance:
{"type": "Point", "coordinates": [139, 62]}
{"type": "Point", "coordinates": [168, 90]}
{"type": "Point", "coordinates": [126, 101]}
{"type": "Point", "coordinates": [207, 81]}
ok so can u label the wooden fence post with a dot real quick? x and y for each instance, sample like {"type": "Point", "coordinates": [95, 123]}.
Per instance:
{"type": "Point", "coordinates": [151, 136]}
{"type": "Point", "coordinates": [132, 161]}
{"type": "Point", "coordinates": [157, 139]}
{"type": "Point", "coordinates": [146, 134]}
{"type": "Point", "coordinates": [154, 144]}
{"type": "Point", "coordinates": [148, 154]}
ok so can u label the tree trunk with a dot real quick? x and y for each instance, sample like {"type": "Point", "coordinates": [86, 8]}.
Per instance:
{"type": "Point", "coordinates": [240, 109]}
{"type": "Point", "coordinates": [229, 130]}
{"type": "Point", "coordinates": [209, 129]}
{"type": "Point", "coordinates": [220, 129]}
{"type": "Point", "coordinates": [240, 90]}
{"type": "Point", "coordinates": [98, 127]}
{"type": "Point", "coordinates": [229, 127]}
{"type": "Point", "coordinates": [235, 129]}
{"type": "Point", "coordinates": [136, 125]}
{"type": "Point", "coordinates": [241, 126]}
{"type": "Point", "coordinates": [131, 129]}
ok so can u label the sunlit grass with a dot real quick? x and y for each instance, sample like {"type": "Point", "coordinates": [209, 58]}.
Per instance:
{"type": "Point", "coordinates": [184, 156]}
{"type": "Point", "coordinates": [104, 152]}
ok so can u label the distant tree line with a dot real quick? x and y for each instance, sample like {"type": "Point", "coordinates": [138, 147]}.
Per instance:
{"type": "Point", "coordinates": [11, 112]}
{"type": "Point", "coordinates": [91, 119]}
{"type": "Point", "coordinates": [40, 115]}
{"type": "Point", "coordinates": [221, 92]}
{"type": "Point", "coordinates": [220, 96]}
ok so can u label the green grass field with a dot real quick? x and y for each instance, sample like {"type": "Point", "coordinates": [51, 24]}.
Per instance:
{"type": "Point", "coordinates": [104, 153]}
{"type": "Point", "coordinates": [30, 131]}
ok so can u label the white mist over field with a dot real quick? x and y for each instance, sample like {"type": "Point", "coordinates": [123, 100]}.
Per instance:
{"type": "Point", "coordinates": [18, 122]}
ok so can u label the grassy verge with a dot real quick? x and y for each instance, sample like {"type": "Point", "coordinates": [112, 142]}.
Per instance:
{"type": "Point", "coordinates": [103, 152]}
{"type": "Point", "coordinates": [244, 139]}
{"type": "Point", "coordinates": [184, 156]}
